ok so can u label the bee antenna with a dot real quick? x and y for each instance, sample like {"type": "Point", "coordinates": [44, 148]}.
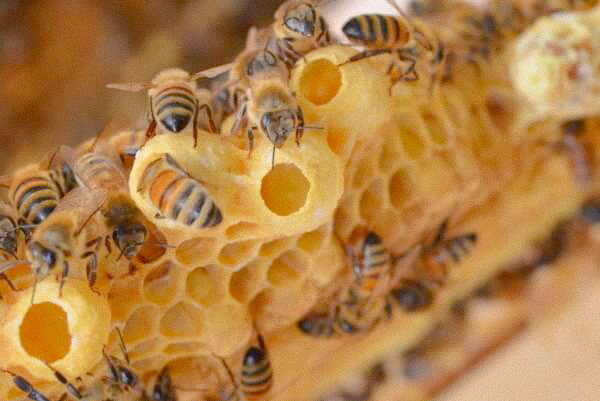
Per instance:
{"type": "Point", "coordinates": [315, 127]}
{"type": "Point", "coordinates": [273, 157]}
{"type": "Point", "coordinates": [35, 281]}
{"type": "Point", "coordinates": [122, 344]}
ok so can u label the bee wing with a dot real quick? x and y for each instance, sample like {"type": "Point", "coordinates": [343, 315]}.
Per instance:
{"type": "Point", "coordinates": [212, 72]}
{"type": "Point", "coordinates": [63, 155]}
{"type": "Point", "coordinates": [82, 201]}
{"type": "Point", "coordinates": [129, 87]}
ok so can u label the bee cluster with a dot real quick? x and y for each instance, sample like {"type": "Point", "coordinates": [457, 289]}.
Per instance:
{"type": "Point", "coordinates": [192, 238]}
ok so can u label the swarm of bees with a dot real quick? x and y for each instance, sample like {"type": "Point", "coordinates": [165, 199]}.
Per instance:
{"type": "Point", "coordinates": [76, 210]}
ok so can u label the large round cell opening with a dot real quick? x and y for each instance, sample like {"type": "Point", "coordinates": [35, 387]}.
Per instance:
{"type": "Point", "coordinates": [44, 332]}
{"type": "Point", "coordinates": [284, 189]}
{"type": "Point", "coordinates": [320, 81]}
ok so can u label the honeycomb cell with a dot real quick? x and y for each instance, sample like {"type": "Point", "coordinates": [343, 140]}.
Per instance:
{"type": "Point", "coordinates": [155, 247]}
{"type": "Point", "coordinates": [161, 283]}
{"type": "Point", "coordinates": [365, 171]}
{"type": "Point", "coordinates": [312, 241]}
{"type": "Point", "coordinates": [401, 188]}
{"type": "Point", "coordinates": [274, 248]}
{"type": "Point", "coordinates": [413, 143]}
{"type": "Point", "coordinates": [124, 297]}
{"type": "Point", "coordinates": [142, 323]}
{"type": "Point", "coordinates": [231, 327]}
{"type": "Point", "coordinates": [183, 320]}
{"type": "Point", "coordinates": [149, 346]}
{"type": "Point", "coordinates": [154, 363]}
{"type": "Point", "coordinates": [284, 189]}
{"type": "Point", "coordinates": [245, 283]}
{"type": "Point", "coordinates": [44, 332]}
{"type": "Point", "coordinates": [238, 253]}
{"type": "Point", "coordinates": [391, 154]}
{"type": "Point", "coordinates": [184, 348]}
{"type": "Point", "coordinates": [286, 269]}
{"type": "Point", "coordinates": [338, 140]}
{"type": "Point", "coordinates": [320, 81]}
{"type": "Point", "coordinates": [207, 285]}
{"type": "Point", "coordinates": [435, 129]}
{"type": "Point", "coordinates": [196, 251]}
{"type": "Point", "coordinates": [241, 230]}
{"type": "Point", "coordinates": [372, 201]}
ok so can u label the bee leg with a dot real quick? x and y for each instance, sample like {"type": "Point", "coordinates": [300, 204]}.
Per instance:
{"type": "Point", "coordinates": [250, 136]}
{"type": "Point", "coordinates": [4, 277]}
{"type": "Point", "coordinates": [91, 270]}
{"type": "Point", "coordinates": [211, 122]}
{"type": "Point", "coordinates": [195, 125]}
{"type": "Point", "coordinates": [365, 54]}
{"type": "Point", "coordinates": [63, 276]}
{"type": "Point", "coordinates": [300, 127]}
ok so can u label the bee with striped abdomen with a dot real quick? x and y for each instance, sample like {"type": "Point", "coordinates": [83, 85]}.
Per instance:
{"type": "Point", "coordinates": [174, 102]}
{"type": "Point", "coordinates": [437, 258]}
{"type": "Point", "coordinates": [299, 27]}
{"type": "Point", "coordinates": [406, 38]}
{"type": "Point", "coordinates": [256, 376]}
{"type": "Point", "coordinates": [178, 196]}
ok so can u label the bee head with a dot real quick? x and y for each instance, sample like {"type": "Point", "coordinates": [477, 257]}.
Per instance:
{"type": "Point", "coordinates": [300, 20]}
{"type": "Point", "coordinates": [42, 258]}
{"type": "Point", "coordinates": [8, 234]}
{"type": "Point", "coordinates": [129, 237]}
{"type": "Point", "coordinates": [278, 125]}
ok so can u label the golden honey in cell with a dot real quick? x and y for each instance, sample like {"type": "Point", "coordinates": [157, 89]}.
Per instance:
{"type": "Point", "coordinates": [174, 105]}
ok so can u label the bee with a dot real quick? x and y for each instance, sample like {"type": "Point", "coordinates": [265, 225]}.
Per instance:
{"type": "Point", "coordinates": [178, 196]}
{"type": "Point", "coordinates": [437, 257]}
{"type": "Point", "coordinates": [36, 192]}
{"type": "Point", "coordinates": [299, 27]}
{"type": "Point", "coordinates": [127, 144]}
{"type": "Point", "coordinates": [173, 102]}
{"type": "Point", "coordinates": [410, 296]}
{"type": "Point", "coordinates": [11, 240]}
{"type": "Point", "coordinates": [401, 36]}
{"type": "Point", "coordinates": [22, 384]}
{"type": "Point", "coordinates": [256, 376]}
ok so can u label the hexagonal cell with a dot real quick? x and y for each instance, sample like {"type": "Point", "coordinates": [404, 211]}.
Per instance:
{"type": "Point", "coordinates": [372, 201]}
{"type": "Point", "coordinates": [320, 81]}
{"type": "Point", "coordinates": [241, 230]}
{"type": "Point", "coordinates": [287, 268]}
{"type": "Point", "coordinates": [248, 281]}
{"type": "Point", "coordinates": [411, 135]}
{"type": "Point", "coordinates": [312, 241]}
{"type": "Point", "coordinates": [401, 188]}
{"type": "Point", "coordinates": [338, 139]}
{"type": "Point", "coordinates": [142, 323]}
{"type": "Point", "coordinates": [125, 296]}
{"type": "Point", "coordinates": [154, 248]}
{"type": "Point", "coordinates": [391, 153]}
{"type": "Point", "coordinates": [276, 247]}
{"type": "Point", "coordinates": [184, 347]}
{"type": "Point", "coordinates": [183, 320]}
{"type": "Point", "coordinates": [365, 171]}
{"type": "Point", "coordinates": [207, 285]}
{"type": "Point", "coordinates": [146, 348]}
{"type": "Point", "coordinates": [239, 253]}
{"type": "Point", "coordinates": [284, 189]}
{"type": "Point", "coordinates": [197, 251]}
{"type": "Point", "coordinates": [435, 129]}
{"type": "Point", "coordinates": [161, 283]}
{"type": "Point", "coordinates": [44, 332]}
{"type": "Point", "coordinates": [155, 363]}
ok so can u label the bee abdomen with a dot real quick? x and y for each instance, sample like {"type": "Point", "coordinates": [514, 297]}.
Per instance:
{"type": "Point", "coordinates": [99, 171]}
{"type": "Point", "coordinates": [35, 198]}
{"type": "Point", "coordinates": [256, 374]}
{"type": "Point", "coordinates": [174, 108]}
{"type": "Point", "coordinates": [376, 31]}
{"type": "Point", "coordinates": [185, 200]}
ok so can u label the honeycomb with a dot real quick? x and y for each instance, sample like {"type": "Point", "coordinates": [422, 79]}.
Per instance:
{"type": "Point", "coordinates": [396, 164]}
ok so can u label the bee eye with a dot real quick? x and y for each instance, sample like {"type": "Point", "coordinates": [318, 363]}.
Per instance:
{"type": "Point", "coordinates": [49, 257]}
{"type": "Point", "coordinates": [126, 377]}
{"type": "Point", "coordinates": [294, 24]}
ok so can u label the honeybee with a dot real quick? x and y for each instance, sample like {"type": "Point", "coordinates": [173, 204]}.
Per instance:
{"type": "Point", "coordinates": [256, 376]}
{"type": "Point", "coordinates": [35, 193]}
{"type": "Point", "coordinates": [401, 36]}
{"type": "Point", "coordinates": [22, 384]}
{"type": "Point", "coordinates": [11, 241]}
{"type": "Point", "coordinates": [410, 296]}
{"type": "Point", "coordinates": [126, 144]}
{"type": "Point", "coordinates": [178, 196]}
{"type": "Point", "coordinates": [173, 102]}
{"type": "Point", "coordinates": [299, 27]}
{"type": "Point", "coordinates": [437, 257]}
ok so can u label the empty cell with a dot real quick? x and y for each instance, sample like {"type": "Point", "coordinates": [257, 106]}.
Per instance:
{"type": "Point", "coordinates": [182, 320]}
{"type": "Point", "coordinates": [401, 188]}
{"type": "Point", "coordinates": [391, 153]}
{"type": "Point", "coordinates": [241, 230]}
{"type": "Point", "coordinates": [125, 296]}
{"type": "Point", "coordinates": [312, 241]}
{"type": "Point", "coordinates": [366, 170]}
{"type": "Point", "coordinates": [161, 283]}
{"type": "Point", "coordinates": [274, 248]}
{"type": "Point", "coordinates": [249, 280]}
{"type": "Point", "coordinates": [435, 129]}
{"type": "Point", "coordinates": [142, 323]}
{"type": "Point", "coordinates": [230, 327]}
{"type": "Point", "coordinates": [371, 204]}
{"type": "Point", "coordinates": [320, 81]}
{"type": "Point", "coordinates": [207, 285]}
{"type": "Point", "coordinates": [196, 251]}
{"type": "Point", "coordinates": [184, 347]}
{"type": "Point", "coordinates": [286, 269]}
{"type": "Point", "coordinates": [238, 253]}
{"type": "Point", "coordinates": [284, 189]}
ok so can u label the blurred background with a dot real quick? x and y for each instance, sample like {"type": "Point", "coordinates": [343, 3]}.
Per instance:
{"type": "Point", "coordinates": [57, 56]}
